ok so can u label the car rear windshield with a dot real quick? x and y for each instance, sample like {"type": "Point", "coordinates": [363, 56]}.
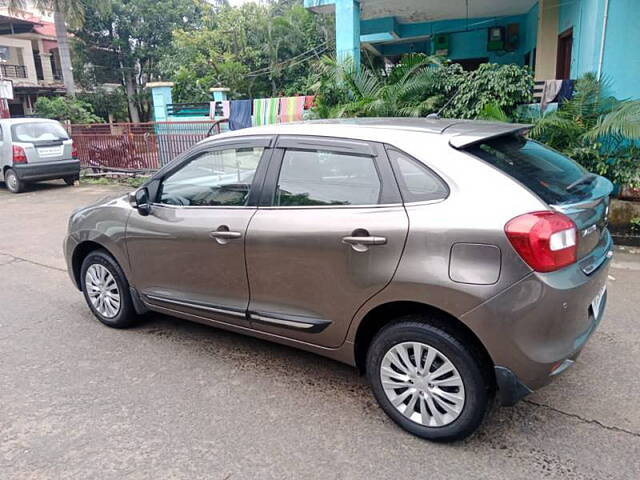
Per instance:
{"type": "Point", "coordinates": [549, 174]}
{"type": "Point", "coordinates": [38, 132]}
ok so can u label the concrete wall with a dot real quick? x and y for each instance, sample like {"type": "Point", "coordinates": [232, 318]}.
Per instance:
{"type": "Point", "coordinates": [621, 60]}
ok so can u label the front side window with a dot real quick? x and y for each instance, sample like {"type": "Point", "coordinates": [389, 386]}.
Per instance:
{"type": "Point", "coordinates": [218, 178]}
{"type": "Point", "coordinates": [417, 182]}
{"type": "Point", "coordinates": [310, 178]}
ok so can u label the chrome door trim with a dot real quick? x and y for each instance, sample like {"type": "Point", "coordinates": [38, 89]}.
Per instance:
{"type": "Point", "coordinates": [297, 322]}
{"type": "Point", "coordinates": [233, 312]}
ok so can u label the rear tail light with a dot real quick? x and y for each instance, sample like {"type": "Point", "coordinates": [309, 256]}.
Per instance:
{"type": "Point", "coordinates": [19, 155]}
{"type": "Point", "coordinates": [74, 150]}
{"type": "Point", "coordinates": [546, 241]}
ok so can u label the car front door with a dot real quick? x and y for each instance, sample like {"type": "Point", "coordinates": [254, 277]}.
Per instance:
{"type": "Point", "coordinates": [187, 255]}
{"type": "Point", "coordinates": [328, 235]}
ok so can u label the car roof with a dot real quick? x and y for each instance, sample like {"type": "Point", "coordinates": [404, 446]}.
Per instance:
{"type": "Point", "coordinates": [16, 121]}
{"type": "Point", "coordinates": [460, 133]}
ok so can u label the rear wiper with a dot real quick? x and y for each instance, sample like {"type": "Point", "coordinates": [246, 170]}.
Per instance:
{"type": "Point", "coordinates": [587, 178]}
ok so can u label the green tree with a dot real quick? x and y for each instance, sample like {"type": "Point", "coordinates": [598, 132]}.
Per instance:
{"type": "Point", "coordinates": [255, 50]}
{"type": "Point", "coordinates": [125, 40]}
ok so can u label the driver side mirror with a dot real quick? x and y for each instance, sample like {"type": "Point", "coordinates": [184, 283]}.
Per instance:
{"type": "Point", "coordinates": [140, 201]}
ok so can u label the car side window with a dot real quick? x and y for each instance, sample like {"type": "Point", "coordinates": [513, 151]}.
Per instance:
{"type": "Point", "coordinates": [327, 178]}
{"type": "Point", "coordinates": [216, 178]}
{"type": "Point", "coordinates": [417, 182]}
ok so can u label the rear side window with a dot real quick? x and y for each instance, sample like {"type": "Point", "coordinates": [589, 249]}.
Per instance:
{"type": "Point", "coordinates": [417, 182]}
{"type": "Point", "coordinates": [327, 178]}
{"type": "Point", "coordinates": [38, 132]}
{"type": "Point", "coordinates": [544, 171]}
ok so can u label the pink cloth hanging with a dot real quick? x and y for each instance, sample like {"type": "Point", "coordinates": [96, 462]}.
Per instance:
{"type": "Point", "coordinates": [291, 109]}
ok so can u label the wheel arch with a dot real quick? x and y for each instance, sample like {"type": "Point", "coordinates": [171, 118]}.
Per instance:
{"type": "Point", "coordinates": [81, 251]}
{"type": "Point", "coordinates": [384, 314]}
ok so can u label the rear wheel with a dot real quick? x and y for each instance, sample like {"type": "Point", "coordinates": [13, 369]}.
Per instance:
{"type": "Point", "coordinates": [14, 184]}
{"type": "Point", "coordinates": [70, 180]}
{"type": "Point", "coordinates": [106, 290]}
{"type": "Point", "coordinates": [427, 381]}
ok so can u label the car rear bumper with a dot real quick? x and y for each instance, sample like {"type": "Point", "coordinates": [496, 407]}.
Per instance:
{"type": "Point", "coordinates": [47, 170]}
{"type": "Point", "coordinates": [536, 329]}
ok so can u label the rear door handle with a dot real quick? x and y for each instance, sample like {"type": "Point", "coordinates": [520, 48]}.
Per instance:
{"type": "Point", "coordinates": [365, 240]}
{"type": "Point", "coordinates": [224, 234]}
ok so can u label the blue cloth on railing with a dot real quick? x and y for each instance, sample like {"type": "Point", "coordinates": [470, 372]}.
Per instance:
{"type": "Point", "coordinates": [566, 91]}
{"type": "Point", "coordinates": [239, 114]}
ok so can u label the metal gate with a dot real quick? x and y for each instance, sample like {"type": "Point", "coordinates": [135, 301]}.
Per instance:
{"type": "Point", "coordinates": [138, 146]}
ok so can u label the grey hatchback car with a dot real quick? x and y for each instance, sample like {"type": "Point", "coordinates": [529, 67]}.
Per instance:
{"type": "Point", "coordinates": [35, 149]}
{"type": "Point", "coordinates": [451, 261]}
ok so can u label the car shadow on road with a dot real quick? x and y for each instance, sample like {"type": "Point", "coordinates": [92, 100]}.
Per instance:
{"type": "Point", "coordinates": [317, 374]}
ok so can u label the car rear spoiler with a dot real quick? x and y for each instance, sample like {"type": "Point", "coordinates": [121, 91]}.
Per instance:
{"type": "Point", "coordinates": [462, 136]}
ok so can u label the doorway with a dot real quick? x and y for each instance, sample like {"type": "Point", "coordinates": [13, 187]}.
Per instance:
{"type": "Point", "coordinates": [565, 45]}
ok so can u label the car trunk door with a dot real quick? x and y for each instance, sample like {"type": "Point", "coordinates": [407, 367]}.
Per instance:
{"type": "Point", "coordinates": [590, 214]}
{"type": "Point", "coordinates": [42, 141]}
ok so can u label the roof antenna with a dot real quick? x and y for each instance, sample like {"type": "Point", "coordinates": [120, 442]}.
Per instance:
{"type": "Point", "coordinates": [436, 115]}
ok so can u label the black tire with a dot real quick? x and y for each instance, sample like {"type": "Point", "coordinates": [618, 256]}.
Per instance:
{"type": "Point", "coordinates": [13, 183]}
{"type": "Point", "coordinates": [415, 328]}
{"type": "Point", "coordinates": [70, 180]}
{"type": "Point", "coordinates": [126, 315]}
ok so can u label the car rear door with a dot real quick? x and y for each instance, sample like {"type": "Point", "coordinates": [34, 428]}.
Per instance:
{"type": "Point", "coordinates": [328, 235]}
{"type": "Point", "coordinates": [188, 254]}
{"type": "Point", "coordinates": [43, 141]}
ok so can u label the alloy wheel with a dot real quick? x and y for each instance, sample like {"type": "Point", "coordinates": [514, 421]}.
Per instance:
{"type": "Point", "coordinates": [102, 290]}
{"type": "Point", "coordinates": [422, 384]}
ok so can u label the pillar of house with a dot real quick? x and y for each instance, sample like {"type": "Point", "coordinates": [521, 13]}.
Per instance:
{"type": "Point", "coordinates": [45, 61]}
{"type": "Point", "coordinates": [219, 94]}
{"type": "Point", "coordinates": [547, 39]}
{"type": "Point", "coordinates": [348, 30]}
{"type": "Point", "coordinates": [161, 97]}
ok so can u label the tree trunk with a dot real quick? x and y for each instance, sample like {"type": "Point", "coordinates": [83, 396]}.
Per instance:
{"type": "Point", "coordinates": [131, 96]}
{"type": "Point", "coordinates": [65, 56]}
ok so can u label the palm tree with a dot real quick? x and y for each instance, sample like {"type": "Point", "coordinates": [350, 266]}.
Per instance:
{"type": "Point", "coordinates": [63, 11]}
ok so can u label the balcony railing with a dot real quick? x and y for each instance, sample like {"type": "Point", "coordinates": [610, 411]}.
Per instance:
{"type": "Point", "coordinates": [13, 71]}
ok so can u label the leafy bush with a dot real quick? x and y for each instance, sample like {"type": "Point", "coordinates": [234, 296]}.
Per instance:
{"type": "Point", "coordinates": [105, 102]}
{"type": "Point", "coordinates": [504, 86]}
{"type": "Point", "coordinates": [599, 132]}
{"type": "Point", "coordinates": [419, 85]}
{"type": "Point", "coordinates": [66, 109]}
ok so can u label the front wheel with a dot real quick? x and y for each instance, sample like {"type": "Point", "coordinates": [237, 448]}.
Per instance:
{"type": "Point", "coordinates": [106, 290]}
{"type": "Point", "coordinates": [427, 381]}
{"type": "Point", "coordinates": [14, 184]}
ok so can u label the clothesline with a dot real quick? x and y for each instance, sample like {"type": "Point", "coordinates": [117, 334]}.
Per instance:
{"type": "Point", "coordinates": [261, 111]}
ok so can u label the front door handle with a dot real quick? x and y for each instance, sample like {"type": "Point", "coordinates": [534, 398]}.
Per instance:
{"type": "Point", "coordinates": [222, 235]}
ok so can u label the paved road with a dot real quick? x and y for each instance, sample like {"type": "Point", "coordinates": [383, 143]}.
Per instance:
{"type": "Point", "coordinates": [171, 399]}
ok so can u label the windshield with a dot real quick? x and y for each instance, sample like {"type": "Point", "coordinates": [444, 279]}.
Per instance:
{"type": "Point", "coordinates": [38, 132]}
{"type": "Point", "coordinates": [547, 173]}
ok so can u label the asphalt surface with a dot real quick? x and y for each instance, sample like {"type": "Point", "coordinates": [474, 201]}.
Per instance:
{"type": "Point", "coordinates": [172, 399]}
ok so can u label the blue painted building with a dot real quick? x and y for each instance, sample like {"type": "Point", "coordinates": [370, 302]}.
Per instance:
{"type": "Point", "coordinates": [557, 38]}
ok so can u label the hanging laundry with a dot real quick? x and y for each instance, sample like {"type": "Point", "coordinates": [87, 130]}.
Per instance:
{"type": "Point", "coordinates": [259, 110]}
{"type": "Point", "coordinates": [566, 91]}
{"type": "Point", "coordinates": [549, 93]}
{"type": "Point", "coordinates": [271, 111]}
{"type": "Point", "coordinates": [240, 114]}
{"type": "Point", "coordinates": [309, 102]}
{"type": "Point", "coordinates": [226, 108]}
{"type": "Point", "coordinates": [291, 109]}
